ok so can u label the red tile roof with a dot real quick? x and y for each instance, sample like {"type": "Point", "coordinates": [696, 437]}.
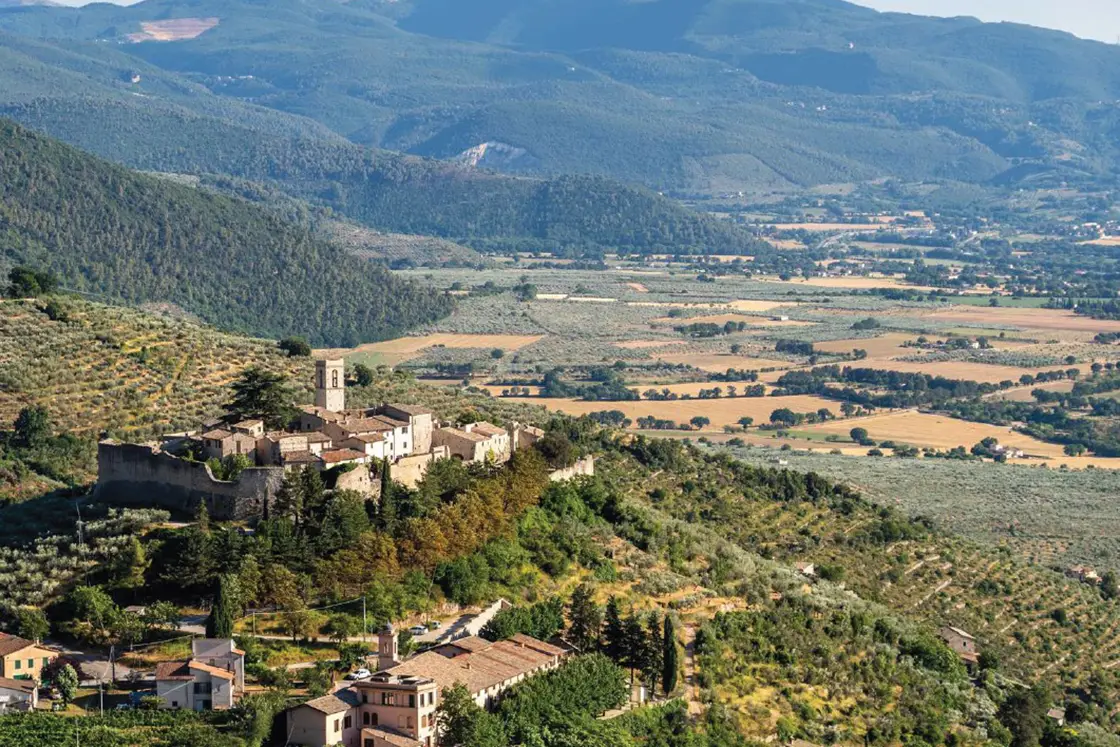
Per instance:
{"type": "Point", "coordinates": [9, 644]}
{"type": "Point", "coordinates": [173, 670]}
{"type": "Point", "coordinates": [341, 455]}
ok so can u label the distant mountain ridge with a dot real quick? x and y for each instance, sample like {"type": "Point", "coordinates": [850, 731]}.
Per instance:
{"type": "Point", "coordinates": [682, 95]}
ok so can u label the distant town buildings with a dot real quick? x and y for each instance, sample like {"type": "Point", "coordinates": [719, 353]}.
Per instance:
{"type": "Point", "coordinates": [347, 445]}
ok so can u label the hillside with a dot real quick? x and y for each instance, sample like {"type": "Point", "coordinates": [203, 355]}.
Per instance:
{"type": "Point", "coordinates": [698, 97]}
{"type": "Point", "coordinates": [117, 235]}
{"type": "Point", "coordinates": [83, 95]}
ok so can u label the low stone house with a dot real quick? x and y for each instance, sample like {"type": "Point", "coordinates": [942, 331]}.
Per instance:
{"type": "Point", "coordinates": [961, 642]}
{"type": "Point", "coordinates": [475, 442]}
{"type": "Point", "coordinates": [212, 679]}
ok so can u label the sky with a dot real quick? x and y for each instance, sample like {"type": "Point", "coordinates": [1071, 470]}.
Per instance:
{"type": "Point", "coordinates": [1092, 19]}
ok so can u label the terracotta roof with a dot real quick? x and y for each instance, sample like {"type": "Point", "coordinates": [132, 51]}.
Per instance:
{"type": "Point", "coordinates": [323, 413]}
{"type": "Point", "coordinates": [26, 686]}
{"type": "Point", "coordinates": [475, 437]}
{"type": "Point", "coordinates": [533, 643]}
{"type": "Point", "coordinates": [338, 702]}
{"type": "Point", "coordinates": [300, 457]}
{"type": "Point", "coordinates": [219, 434]}
{"type": "Point", "coordinates": [391, 421]}
{"type": "Point", "coordinates": [411, 409]}
{"type": "Point", "coordinates": [482, 664]}
{"type": "Point", "coordinates": [248, 423]}
{"type": "Point", "coordinates": [389, 736]}
{"type": "Point", "coordinates": [173, 670]}
{"type": "Point", "coordinates": [212, 671]}
{"type": "Point", "coordinates": [9, 644]}
{"type": "Point", "coordinates": [470, 644]}
{"type": "Point", "coordinates": [341, 455]}
{"type": "Point", "coordinates": [368, 438]}
{"type": "Point", "coordinates": [958, 631]}
{"type": "Point", "coordinates": [365, 425]}
{"type": "Point", "coordinates": [315, 437]}
{"type": "Point", "coordinates": [489, 429]}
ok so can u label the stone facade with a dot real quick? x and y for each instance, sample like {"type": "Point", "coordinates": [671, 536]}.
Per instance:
{"type": "Point", "coordinates": [141, 474]}
{"type": "Point", "coordinates": [583, 468]}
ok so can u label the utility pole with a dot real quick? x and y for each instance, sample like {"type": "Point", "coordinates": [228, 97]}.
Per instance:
{"type": "Point", "coordinates": [101, 695]}
{"type": "Point", "coordinates": [113, 663]}
{"type": "Point", "coordinates": [365, 624]}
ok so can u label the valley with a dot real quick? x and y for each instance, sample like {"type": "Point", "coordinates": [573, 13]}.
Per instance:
{"type": "Point", "coordinates": [679, 373]}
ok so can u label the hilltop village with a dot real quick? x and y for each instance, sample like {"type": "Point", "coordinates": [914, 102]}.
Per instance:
{"type": "Point", "coordinates": [348, 446]}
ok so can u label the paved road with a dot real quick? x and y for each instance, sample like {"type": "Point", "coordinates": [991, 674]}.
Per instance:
{"type": "Point", "coordinates": [95, 666]}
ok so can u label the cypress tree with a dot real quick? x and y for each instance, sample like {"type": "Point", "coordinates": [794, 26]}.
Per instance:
{"type": "Point", "coordinates": [669, 661]}
{"type": "Point", "coordinates": [226, 608]}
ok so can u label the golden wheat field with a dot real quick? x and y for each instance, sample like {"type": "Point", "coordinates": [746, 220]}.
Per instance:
{"type": "Point", "coordinates": [720, 411]}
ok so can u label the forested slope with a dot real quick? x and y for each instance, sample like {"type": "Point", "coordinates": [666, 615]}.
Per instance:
{"type": "Point", "coordinates": [125, 237]}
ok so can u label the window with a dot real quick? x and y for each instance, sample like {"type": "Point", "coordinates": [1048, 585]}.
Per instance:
{"type": "Point", "coordinates": [337, 726]}
{"type": "Point", "coordinates": [374, 717]}
{"type": "Point", "coordinates": [365, 719]}
{"type": "Point", "coordinates": [365, 696]}
{"type": "Point", "coordinates": [334, 378]}
{"type": "Point", "coordinates": [411, 701]}
{"type": "Point", "coordinates": [19, 665]}
{"type": "Point", "coordinates": [423, 721]}
{"type": "Point", "coordinates": [30, 663]}
{"type": "Point", "coordinates": [368, 743]}
{"type": "Point", "coordinates": [349, 722]}
{"type": "Point", "coordinates": [46, 661]}
{"type": "Point", "coordinates": [174, 704]}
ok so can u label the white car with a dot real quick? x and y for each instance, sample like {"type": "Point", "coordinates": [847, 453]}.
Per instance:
{"type": "Point", "coordinates": [418, 630]}
{"type": "Point", "coordinates": [361, 674]}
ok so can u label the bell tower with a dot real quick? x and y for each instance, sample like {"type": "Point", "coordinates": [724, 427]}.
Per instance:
{"type": "Point", "coordinates": [330, 385]}
{"type": "Point", "coordinates": [388, 655]}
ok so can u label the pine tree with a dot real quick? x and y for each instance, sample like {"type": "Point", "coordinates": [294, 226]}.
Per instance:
{"type": "Point", "coordinates": [614, 634]}
{"type": "Point", "coordinates": [586, 620]}
{"type": "Point", "coordinates": [670, 662]}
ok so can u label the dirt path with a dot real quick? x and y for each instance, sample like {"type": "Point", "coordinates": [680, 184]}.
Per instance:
{"type": "Point", "coordinates": [691, 688]}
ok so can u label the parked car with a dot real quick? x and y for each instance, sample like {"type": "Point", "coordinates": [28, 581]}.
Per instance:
{"type": "Point", "coordinates": [361, 674]}
{"type": "Point", "coordinates": [418, 630]}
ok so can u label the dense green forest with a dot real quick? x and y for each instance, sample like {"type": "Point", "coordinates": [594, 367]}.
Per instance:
{"type": "Point", "coordinates": [113, 234]}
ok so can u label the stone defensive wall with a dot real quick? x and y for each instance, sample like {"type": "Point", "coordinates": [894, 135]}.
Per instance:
{"type": "Point", "coordinates": [141, 474]}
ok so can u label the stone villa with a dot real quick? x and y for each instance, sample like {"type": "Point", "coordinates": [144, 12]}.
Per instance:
{"type": "Point", "coordinates": [23, 660]}
{"type": "Point", "coordinates": [345, 444]}
{"type": "Point", "coordinates": [397, 706]}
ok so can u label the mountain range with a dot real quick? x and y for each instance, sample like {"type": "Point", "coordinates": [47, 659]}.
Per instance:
{"type": "Point", "coordinates": [689, 96]}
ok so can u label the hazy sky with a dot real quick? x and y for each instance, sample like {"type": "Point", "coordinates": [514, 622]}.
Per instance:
{"type": "Point", "coordinates": [1093, 19]}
